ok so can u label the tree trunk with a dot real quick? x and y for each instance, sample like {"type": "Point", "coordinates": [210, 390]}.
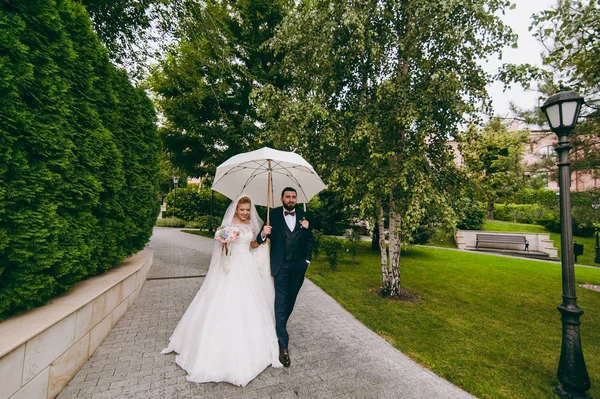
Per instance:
{"type": "Point", "coordinates": [395, 242]}
{"type": "Point", "coordinates": [375, 236]}
{"type": "Point", "coordinates": [385, 275]}
{"type": "Point", "coordinates": [490, 210]}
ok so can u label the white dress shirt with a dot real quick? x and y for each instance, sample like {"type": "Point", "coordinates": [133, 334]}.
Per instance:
{"type": "Point", "coordinates": [290, 220]}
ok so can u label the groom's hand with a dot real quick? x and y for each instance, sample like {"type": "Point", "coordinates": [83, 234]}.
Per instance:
{"type": "Point", "coordinates": [264, 233]}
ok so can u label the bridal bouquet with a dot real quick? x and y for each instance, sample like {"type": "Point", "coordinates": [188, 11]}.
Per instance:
{"type": "Point", "coordinates": [227, 234]}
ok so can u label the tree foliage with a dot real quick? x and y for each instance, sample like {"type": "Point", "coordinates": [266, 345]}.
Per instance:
{"type": "Point", "coordinates": [134, 31]}
{"type": "Point", "coordinates": [190, 203]}
{"type": "Point", "coordinates": [203, 85]}
{"type": "Point", "coordinates": [570, 31]}
{"type": "Point", "coordinates": [79, 154]}
{"type": "Point", "coordinates": [585, 141]}
{"type": "Point", "coordinates": [378, 87]}
{"type": "Point", "coordinates": [493, 160]}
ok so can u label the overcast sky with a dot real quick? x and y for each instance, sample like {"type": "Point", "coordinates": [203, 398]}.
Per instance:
{"type": "Point", "coordinates": [529, 51]}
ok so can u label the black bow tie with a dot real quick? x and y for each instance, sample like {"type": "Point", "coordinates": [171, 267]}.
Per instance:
{"type": "Point", "coordinates": [292, 213]}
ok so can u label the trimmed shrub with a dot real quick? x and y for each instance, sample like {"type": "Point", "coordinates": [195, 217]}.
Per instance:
{"type": "Point", "coordinates": [170, 222]}
{"type": "Point", "coordinates": [78, 155]}
{"type": "Point", "coordinates": [210, 223]}
{"type": "Point", "coordinates": [541, 196]}
{"type": "Point", "coordinates": [520, 213]}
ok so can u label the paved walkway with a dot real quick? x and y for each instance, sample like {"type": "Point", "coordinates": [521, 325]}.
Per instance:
{"type": "Point", "coordinates": [333, 354]}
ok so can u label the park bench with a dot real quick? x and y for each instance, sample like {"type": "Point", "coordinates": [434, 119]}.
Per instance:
{"type": "Point", "coordinates": [502, 239]}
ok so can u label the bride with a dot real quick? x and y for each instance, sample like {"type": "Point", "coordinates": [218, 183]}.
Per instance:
{"type": "Point", "coordinates": [228, 331]}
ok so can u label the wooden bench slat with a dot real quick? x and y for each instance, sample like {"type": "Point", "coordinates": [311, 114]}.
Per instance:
{"type": "Point", "coordinates": [502, 239]}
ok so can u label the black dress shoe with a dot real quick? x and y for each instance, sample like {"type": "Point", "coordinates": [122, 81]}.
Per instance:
{"type": "Point", "coordinates": [284, 357]}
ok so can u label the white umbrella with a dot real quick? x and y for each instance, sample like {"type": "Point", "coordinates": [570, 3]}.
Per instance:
{"type": "Point", "coordinates": [264, 173]}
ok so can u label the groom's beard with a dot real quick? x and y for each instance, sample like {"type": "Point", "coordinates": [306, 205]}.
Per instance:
{"type": "Point", "coordinates": [288, 208]}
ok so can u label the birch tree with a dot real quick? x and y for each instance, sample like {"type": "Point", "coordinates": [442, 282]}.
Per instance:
{"type": "Point", "coordinates": [379, 86]}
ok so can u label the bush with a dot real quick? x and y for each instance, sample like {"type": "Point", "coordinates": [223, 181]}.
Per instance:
{"type": "Point", "coordinates": [210, 223]}
{"type": "Point", "coordinates": [78, 155]}
{"type": "Point", "coordinates": [192, 225]}
{"type": "Point", "coordinates": [471, 215]}
{"type": "Point", "coordinates": [422, 235]}
{"type": "Point", "coordinates": [542, 196]}
{"type": "Point", "coordinates": [520, 213]}
{"type": "Point", "coordinates": [189, 204]}
{"type": "Point", "coordinates": [170, 222]}
{"type": "Point", "coordinates": [332, 247]}
{"type": "Point", "coordinates": [551, 221]}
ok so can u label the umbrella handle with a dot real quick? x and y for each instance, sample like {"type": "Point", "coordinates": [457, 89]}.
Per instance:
{"type": "Point", "coordinates": [269, 193]}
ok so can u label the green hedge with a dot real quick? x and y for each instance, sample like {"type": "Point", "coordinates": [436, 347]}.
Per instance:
{"type": "Point", "coordinates": [170, 222]}
{"type": "Point", "coordinates": [78, 155]}
{"type": "Point", "coordinates": [583, 216]}
{"type": "Point", "coordinates": [541, 196]}
{"type": "Point", "coordinates": [520, 213]}
{"type": "Point", "coordinates": [549, 198]}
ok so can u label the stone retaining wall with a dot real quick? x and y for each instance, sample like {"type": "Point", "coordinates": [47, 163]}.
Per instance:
{"type": "Point", "coordinates": [41, 350]}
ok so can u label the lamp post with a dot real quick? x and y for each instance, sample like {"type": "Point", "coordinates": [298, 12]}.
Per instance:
{"type": "Point", "coordinates": [597, 257]}
{"type": "Point", "coordinates": [175, 180]}
{"type": "Point", "coordinates": [562, 110]}
{"type": "Point", "coordinates": [596, 206]}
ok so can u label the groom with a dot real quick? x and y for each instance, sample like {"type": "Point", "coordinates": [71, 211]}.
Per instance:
{"type": "Point", "coordinates": [291, 246]}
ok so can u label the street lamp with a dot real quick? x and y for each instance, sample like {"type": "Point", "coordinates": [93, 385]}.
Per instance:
{"type": "Point", "coordinates": [175, 180]}
{"type": "Point", "coordinates": [562, 110]}
{"type": "Point", "coordinates": [596, 206]}
{"type": "Point", "coordinates": [597, 257]}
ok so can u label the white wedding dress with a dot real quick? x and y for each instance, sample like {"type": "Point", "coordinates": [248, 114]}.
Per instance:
{"type": "Point", "coordinates": [228, 331]}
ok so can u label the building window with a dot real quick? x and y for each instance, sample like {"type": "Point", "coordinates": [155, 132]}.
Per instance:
{"type": "Point", "coordinates": [547, 152]}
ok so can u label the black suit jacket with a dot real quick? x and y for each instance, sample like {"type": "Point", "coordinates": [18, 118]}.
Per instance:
{"type": "Point", "coordinates": [278, 238]}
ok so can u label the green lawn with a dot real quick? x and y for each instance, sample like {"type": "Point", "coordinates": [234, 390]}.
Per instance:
{"type": "Point", "coordinates": [488, 324]}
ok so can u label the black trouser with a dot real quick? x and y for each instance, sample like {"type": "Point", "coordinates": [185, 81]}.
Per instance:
{"type": "Point", "coordinates": [287, 285]}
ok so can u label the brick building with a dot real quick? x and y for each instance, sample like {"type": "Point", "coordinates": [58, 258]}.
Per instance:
{"type": "Point", "coordinates": [541, 145]}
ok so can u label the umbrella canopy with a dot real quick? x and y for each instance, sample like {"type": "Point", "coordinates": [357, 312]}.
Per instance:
{"type": "Point", "coordinates": [250, 172]}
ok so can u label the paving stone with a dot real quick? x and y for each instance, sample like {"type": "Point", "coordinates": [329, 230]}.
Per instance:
{"type": "Point", "coordinates": [333, 355]}
{"type": "Point", "coordinates": [111, 393]}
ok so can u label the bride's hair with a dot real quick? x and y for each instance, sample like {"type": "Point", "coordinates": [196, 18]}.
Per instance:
{"type": "Point", "coordinates": [244, 200]}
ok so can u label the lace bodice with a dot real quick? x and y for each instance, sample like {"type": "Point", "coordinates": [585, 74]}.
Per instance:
{"type": "Point", "coordinates": [242, 244]}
